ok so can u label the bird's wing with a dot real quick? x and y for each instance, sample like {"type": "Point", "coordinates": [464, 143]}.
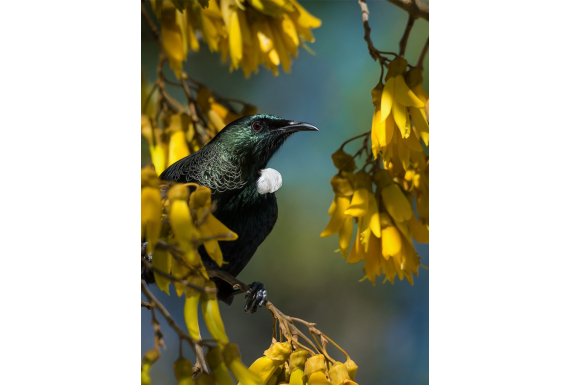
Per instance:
{"type": "Point", "coordinates": [209, 167]}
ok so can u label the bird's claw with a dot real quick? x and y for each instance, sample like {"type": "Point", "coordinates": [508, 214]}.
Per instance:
{"type": "Point", "coordinates": [256, 296]}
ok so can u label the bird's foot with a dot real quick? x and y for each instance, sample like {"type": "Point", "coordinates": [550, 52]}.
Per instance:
{"type": "Point", "coordinates": [256, 296]}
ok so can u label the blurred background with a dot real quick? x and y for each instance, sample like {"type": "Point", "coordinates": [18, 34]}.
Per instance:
{"type": "Point", "coordinates": [385, 327]}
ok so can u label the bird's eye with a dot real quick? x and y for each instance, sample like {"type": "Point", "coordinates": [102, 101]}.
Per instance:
{"type": "Point", "coordinates": [257, 126]}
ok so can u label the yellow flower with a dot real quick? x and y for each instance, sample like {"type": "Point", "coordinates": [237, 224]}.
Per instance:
{"type": "Point", "coordinates": [218, 367]}
{"type": "Point", "coordinates": [209, 227]}
{"type": "Point", "coordinates": [191, 305]}
{"type": "Point", "coordinates": [396, 96]}
{"type": "Point", "coordinates": [318, 378]}
{"type": "Point", "coordinates": [297, 365]}
{"type": "Point", "coordinates": [183, 371]}
{"type": "Point", "coordinates": [340, 222]}
{"type": "Point", "coordinates": [393, 198]}
{"type": "Point", "coordinates": [314, 364]}
{"type": "Point", "coordinates": [177, 146]}
{"type": "Point", "coordinates": [151, 207]}
{"type": "Point", "coordinates": [148, 359]}
{"type": "Point", "coordinates": [274, 357]}
{"type": "Point", "coordinates": [315, 368]}
{"type": "Point", "coordinates": [205, 379]}
{"type": "Point", "coordinates": [181, 223]}
{"type": "Point", "coordinates": [263, 32]}
{"type": "Point", "coordinates": [363, 206]}
{"type": "Point", "coordinates": [372, 259]}
{"type": "Point", "coordinates": [351, 367]}
{"type": "Point", "coordinates": [157, 154]}
{"type": "Point", "coordinates": [232, 359]}
{"type": "Point", "coordinates": [420, 232]}
{"type": "Point", "coordinates": [211, 313]}
{"type": "Point", "coordinates": [172, 25]}
{"type": "Point", "coordinates": [414, 79]}
{"type": "Point", "coordinates": [339, 375]}
{"type": "Point", "coordinates": [162, 260]}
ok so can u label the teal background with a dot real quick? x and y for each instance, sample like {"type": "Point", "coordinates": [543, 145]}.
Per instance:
{"type": "Point", "coordinates": [385, 327]}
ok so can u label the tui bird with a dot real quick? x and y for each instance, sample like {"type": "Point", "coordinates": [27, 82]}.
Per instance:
{"type": "Point", "coordinates": [231, 165]}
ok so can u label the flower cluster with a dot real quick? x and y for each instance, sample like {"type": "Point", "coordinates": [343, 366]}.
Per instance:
{"type": "Point", "coordinates": [250, 32]}
{"type": "Point", "coordinates": [399, 103]}
{"type": "Point", "coordinates": [280, 365]}
{"type": "Point", "coordinates": [180, 221]}
{"type": "Point", "coordinates": [378, 201]}
{"type": "Point", "coordinates": [173, 134]}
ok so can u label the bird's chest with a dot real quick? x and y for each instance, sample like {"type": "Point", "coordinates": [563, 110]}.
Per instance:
{"type": "Point", "coordinates": [252, 218]}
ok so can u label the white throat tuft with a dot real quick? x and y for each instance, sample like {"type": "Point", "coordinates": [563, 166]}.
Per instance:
{"type": "Point", "coordinates": [269, 181]}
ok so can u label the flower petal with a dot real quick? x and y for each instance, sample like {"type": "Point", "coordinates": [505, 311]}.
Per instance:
{"type": "Point", "coordinates": [359, 204]}
{"type": "Point", "coordinates": [404, 95]}
{"type": "Point", "coordinates": [419, 231]}
{"type": "Point", "coordinates": [338, 217]}
{"type": "Point", "coordinates": [387, 99]}
{"type": "Point", "coordinates": [218, 228]}
{"type": "Point", "coordinates": [420, 121]}
{"type": "Point", "coordinates": [374, 215]}
{"type": "Point", "coordinates": [162, 261]}
{"type": "Point", "coordinates": [391, 241]}
{"type": "Point", "coordinates": [401, 118]}
{"type": "Point", "coordinates": [344, 236]}
{"type": "Point", "coordinates": [396, 203]}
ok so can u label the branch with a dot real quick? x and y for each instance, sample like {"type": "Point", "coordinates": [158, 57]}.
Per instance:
{"type": "Point", "coordinates": [416, 8]}
{"type": "Point", "coordinates": [406, 35]}
{"type": "Point", "coordinates": [150, 24]}
{"type": "Point", "coordinates": [420, 62]}
{"type": "Point", "coordinates": [286, 324]}
{"type": "Point", "coordinates": [181, 334]}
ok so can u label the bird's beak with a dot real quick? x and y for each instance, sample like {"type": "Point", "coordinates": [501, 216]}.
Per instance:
{"type": "Point", "coordinates": [298, 126]}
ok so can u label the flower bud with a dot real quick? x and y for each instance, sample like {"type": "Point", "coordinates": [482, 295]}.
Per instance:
{"type": "Point", "coordinates": [342, 161]}
{"type": "Point", "coordinates": [219, 369]}
{"type": "Point", "coordinates": [205, 379]}
{"type": "Point", "coordinates": [232, 359]}
{"type": "Point", "coordinates": [396, 67]}
{"type": "Point", "coordinates": [341, 186]}
{"type": "Point", "coordinates": [314, 364]}
{"type": "Point", "coordinates": [339, 375]}
{"type": "Point", "coordinates": [178, 192]}
{"type": "Point", "coordinates": [183, 371]}
{"type": "Point", "coordinates": [351, 367]}
{"type": "Point", "coordinates": [149, 177]}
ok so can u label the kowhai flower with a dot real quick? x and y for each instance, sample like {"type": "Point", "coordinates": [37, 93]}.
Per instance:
{"type": "Point", "coordinates": [211, 229]}
{"type": "Point", "coordinates": [232, 359]}
{"type": "Point", "coordinates": [250, 33]}
{"type": "Point", "coordinates": [151, 207]}
{"type": "Point", "coordinates": [274, 357]}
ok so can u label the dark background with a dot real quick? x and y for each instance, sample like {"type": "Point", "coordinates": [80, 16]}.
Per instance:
{"type": "Point", "coordinates": [384, 327]}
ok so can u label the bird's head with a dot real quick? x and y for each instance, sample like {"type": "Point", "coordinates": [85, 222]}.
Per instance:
{"type": "Point", "coordinates": [255, 138]}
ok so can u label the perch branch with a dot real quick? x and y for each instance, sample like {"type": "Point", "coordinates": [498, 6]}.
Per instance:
{"type": "Point", "coordinates": [416, 8]}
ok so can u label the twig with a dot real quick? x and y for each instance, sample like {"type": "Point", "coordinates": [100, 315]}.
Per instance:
{"type": "Point", "coordinates": [406, 35]}
{"type": "Point", "coordinates": [158, 336]}
{"type": "Point", "coordinates": [147, 304]}
{"type": "Point", "coordinates": [354, 138]}
{"type": "Point", "coordinates": [416, 8]}
{"type": "Point", "coordinates": [420, 62]}
{"type": "Point", "coordinates": [150, 24]}
{"type": "Point", "coordinates": [374, 53]}
{"type": "Point", "coordinates": [174, 325]}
